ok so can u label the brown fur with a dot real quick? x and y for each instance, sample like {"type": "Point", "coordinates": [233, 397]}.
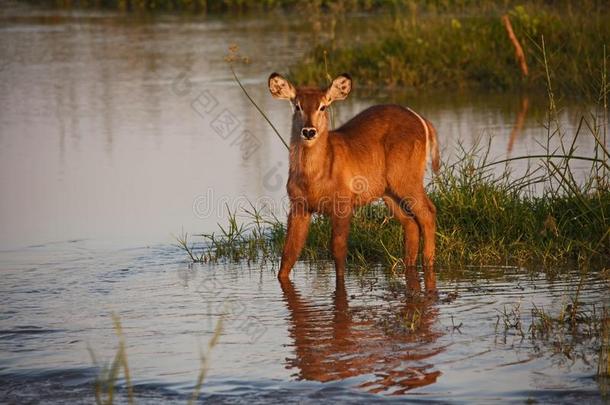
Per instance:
{"type": "Point", "coordinates": [380, 153]}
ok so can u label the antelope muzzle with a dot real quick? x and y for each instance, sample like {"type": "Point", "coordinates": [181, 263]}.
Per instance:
{"type": "Point", "coordinates": [308, 133]}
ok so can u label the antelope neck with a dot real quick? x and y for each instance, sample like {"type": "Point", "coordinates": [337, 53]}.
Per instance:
{"type": "Point", "coordinates": [312, 161]}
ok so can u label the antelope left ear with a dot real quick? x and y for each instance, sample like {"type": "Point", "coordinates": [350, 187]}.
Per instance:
{"type": "Point", "coordinates": [281, 88]}
{"type": "Point", "coordinates": [339, 88]}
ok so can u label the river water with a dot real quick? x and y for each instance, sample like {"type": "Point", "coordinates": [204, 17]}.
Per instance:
{"type": "Point", "coordinates": [118, 132]}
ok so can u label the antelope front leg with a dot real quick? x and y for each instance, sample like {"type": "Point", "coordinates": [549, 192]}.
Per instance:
{"type": "Point", "coordinates": [298, 224]}
{"type": "Point", "coordinates": [340, 224]}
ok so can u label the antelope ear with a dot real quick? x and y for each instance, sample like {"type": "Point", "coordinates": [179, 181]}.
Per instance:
{"type": "Point", "coordinates": [339, 88]}
{"type": "Point", "coordinates": [281, 88]}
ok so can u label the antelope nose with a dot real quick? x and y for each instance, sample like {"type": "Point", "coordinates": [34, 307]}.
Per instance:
{"type": "Point", "coordinates": [308, 133]}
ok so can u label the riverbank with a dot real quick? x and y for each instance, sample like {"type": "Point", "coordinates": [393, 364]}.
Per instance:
{"type": "Point", "coordinates": [472, 50]}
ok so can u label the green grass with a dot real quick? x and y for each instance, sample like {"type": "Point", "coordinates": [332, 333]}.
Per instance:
{"type": "Point", "coordinates": [448, 49]}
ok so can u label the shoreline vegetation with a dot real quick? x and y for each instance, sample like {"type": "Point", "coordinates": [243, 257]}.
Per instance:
{"type": "Point", "coordinates": [474, 50]}
{"type": "Point", "coordinates": [417, 44]}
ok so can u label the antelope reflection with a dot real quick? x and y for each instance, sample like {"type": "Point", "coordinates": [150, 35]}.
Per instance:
{"type": "Point", "coordinates": [374, 340]}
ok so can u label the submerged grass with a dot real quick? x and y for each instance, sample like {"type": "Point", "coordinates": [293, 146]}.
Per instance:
{"type": "Point", "coordinates": [576, 331]}
{"type": "Point", "coordinates": [108, 375]}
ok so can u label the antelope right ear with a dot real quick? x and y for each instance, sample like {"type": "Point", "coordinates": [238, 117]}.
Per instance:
{"type": "Point", "coordinates": [281, 88]}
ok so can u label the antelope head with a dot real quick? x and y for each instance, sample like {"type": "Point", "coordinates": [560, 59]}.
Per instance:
{"type": "Point", "coordinates": [309, 105]}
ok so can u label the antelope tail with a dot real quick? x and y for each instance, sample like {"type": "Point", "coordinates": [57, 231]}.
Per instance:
{"type": "Point", "coordinates": [433, 147]}
{"type": "Point", "coordinates": [431, 141]}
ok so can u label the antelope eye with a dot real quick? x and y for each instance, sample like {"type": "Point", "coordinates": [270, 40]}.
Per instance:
{"type": "Point", "coordinates": [322, 107]}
